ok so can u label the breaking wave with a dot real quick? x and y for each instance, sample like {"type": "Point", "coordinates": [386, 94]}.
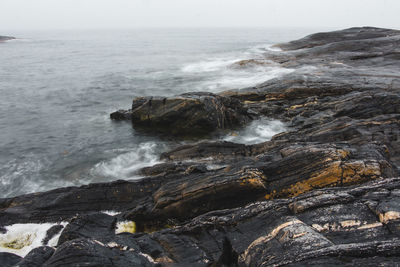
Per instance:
{"type": "Point", "coordinates": [127, 165]}
{"type": "Point", "coordinates": [237, 70]}
{"type": "Point", "coordinates": [212, 64]}
{"type": "Point", "coordinates": [256, 132]}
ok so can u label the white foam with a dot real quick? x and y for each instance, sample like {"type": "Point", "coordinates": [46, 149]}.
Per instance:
{"type": "Point", "coordinates": [273, 48]}
{"type": "Point", "coordinates": [111, 212]}
{"type": "Point", "coordinates": [259, 49]}
{"type": "Point", "coordinates": [213, 167]}
{"type": "Point", "coordinates": [257, 132]}
{"type": "Point", "coordinates": [22, 40]}
{"type": "Point", "coordinates": [223, 74]}
{"type": "Point", "coordinates": [125, 166]}
{"type": "Point", "coordinates": [19, 173]}
{"type": "Point", "coordinates": [25, 237]}
{"type": "Point", "coordinates": [245, 78]}
{"type": "Point", "coordinates": [209, 65]}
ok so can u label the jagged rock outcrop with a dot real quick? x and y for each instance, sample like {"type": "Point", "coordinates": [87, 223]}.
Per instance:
{"type": "Point", "coordinates": [187, 114]}
{"type": "Point", "coordinates": [324, 193]}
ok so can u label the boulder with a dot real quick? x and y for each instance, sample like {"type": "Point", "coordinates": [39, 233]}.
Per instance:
{"type": "Point", "coordinates": [194, 114]}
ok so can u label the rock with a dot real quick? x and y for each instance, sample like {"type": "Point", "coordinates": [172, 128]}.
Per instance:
{"type": "Point", "coordinates": [229, 256]}
{"type": "Point", "coordinates": [193, 114]}
{"type": "Point", "coordinates": [121, 115]}
{"type": "Point", "coordinates": [65, 203]}
{"type": "Point", "coordinates": [9, 259]}
{"type": "Point", "coordinates": [206, 149]}
{"type": "Point", "coordinates": [318, 166]}
{"type": "Point", "coordinates": [352, 34]}
{"type": "Point", "coordinates": [98, 225]}
{"type": "Point", "coordinates": [6, 38]}
{"type": "Point", "coordinates": [53, 231]}
{"type": "Point", "coordinates": [250, 63]}
{"type": "Point", "coordinates": [90, 252]}
{"type": "Point", "coordinates": [37, 257]}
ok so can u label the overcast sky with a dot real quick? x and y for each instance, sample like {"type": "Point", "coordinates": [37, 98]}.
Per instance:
{"type": "Point", "coordinates": [89, 14]}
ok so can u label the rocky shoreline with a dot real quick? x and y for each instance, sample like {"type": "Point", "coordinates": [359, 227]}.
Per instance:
{"type": "Point", "coordinates": [326, 192]}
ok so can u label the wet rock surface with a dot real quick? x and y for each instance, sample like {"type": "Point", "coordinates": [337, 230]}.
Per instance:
{"type": "Point", "coordinates": [324, 193]}
{"type": "Point", "coordinates": [187, 114]}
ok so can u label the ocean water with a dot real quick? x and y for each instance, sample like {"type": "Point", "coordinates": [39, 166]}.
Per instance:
{"type": "Point", "coordinates": [57, 89]}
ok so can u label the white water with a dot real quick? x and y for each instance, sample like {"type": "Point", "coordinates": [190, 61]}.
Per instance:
{"type": "Point", "coordinates": [111, 212]}
{"type": "Point", "coordinates": [212, 64]}
{"type": "Point", "coordinates": [236, 79]}
{"type": "Point", "coordinates": [223, 73]}
{"type": "Point", "coordinates": [256, 132]}
{"type": "Point", "coordinates": [27, 237]}
{"type": "Point", "coordinates": [126, 165]}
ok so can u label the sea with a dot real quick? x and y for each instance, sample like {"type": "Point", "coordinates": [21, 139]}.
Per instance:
{"type": "Point", "coordinates": [57, 89]}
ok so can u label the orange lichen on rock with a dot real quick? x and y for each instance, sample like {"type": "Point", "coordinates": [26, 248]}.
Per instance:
{"type": "Point", "coordinates": [336, 172]}
{"type": "Point", "coordinates": [329, 176]}
{"type": "Point", "coordinates": [253, 177]}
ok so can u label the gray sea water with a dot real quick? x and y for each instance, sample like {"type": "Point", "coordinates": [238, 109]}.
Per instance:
{"type": "Point", "coordinates": [57, 89]}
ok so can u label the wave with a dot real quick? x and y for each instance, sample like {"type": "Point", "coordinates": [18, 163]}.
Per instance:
{"type": "Point", "coordinates": [235, 71]}
{"type": "Point", "coordinates": [260, 49]}
{"type": "Point", "coordinates": [127, 165]}
{"type": "Point", "coordinates": [16, 176]}
{"type": "Point", "coordinates": [212, 64]}
{"type": "Point", "coordinates": [257, 132]}
{"type": "Point", "coordinates": [241, 79]}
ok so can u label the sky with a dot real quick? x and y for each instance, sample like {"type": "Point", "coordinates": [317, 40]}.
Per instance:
{"type": "Point", "coordinates": [111, 14]}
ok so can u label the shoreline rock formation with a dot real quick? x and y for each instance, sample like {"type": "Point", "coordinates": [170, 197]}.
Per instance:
{"type": "Point", "coordinates": [324, 193]}
{"type": "Point", "coordinates": [193, 114]}
{"type": "Point", "coordinates": [6, 38]}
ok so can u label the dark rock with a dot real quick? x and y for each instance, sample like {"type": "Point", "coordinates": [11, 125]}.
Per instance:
{"type": "Point", "coordinates": [229, 256]}
{"type": "Point", "coordinates": [98, 225]}
{"type": "Point", "coordinates": [166, 168]}
{"type": "Point", "coordinates": [9, 259]}
{"type": "Point", "coordinates": [6, 38]}
{"type": "Point", "coordinates": [90, 252]}
{"type": "Point", "coordinates": [65, 203]}
{"type": "Point", "coordinates": [54, 230]}
{"type": "Point", "coordinates": [187, 114]}
{"type": "Point", "coordinates": [121, 115]}
{"type": "Point", "coordinates": [206, 149]}
{"type": "Point", "coordinates": [37, 257]}
{"type": "Point", "coordinates": [352, 34]}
